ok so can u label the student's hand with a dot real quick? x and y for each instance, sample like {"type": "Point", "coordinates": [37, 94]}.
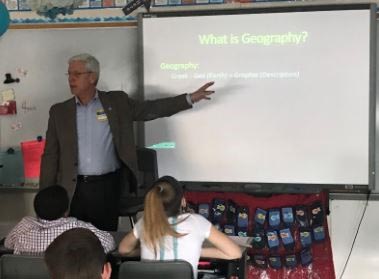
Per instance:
{"type": "Point", "coordinates": [202, 93]}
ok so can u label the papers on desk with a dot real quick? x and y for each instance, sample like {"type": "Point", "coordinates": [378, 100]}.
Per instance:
{"type": "Point", "coordinates": [242, 241]}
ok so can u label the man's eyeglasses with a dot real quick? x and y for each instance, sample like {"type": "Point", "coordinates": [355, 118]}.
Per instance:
{"type": "Point", "coordinates": [76, 74]}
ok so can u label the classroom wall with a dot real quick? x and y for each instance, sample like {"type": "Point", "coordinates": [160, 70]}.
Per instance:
{"type": "Point", "coordinates": [344, 221]}
{"type": "Point", "coordinates": [41, 64]}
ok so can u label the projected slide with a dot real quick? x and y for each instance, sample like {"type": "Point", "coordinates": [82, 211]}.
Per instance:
{"type": "Point", "coordinates": [291, 102]}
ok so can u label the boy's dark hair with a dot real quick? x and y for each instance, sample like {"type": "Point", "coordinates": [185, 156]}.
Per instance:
{"type": "Point", "coordinates": [51, 203]}
{"type": "Point", "coordinates": [76, 253]}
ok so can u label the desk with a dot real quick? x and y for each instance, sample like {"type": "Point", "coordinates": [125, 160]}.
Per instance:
{"type": "Point", "coordinates": [3, 250]}
{"type": "Point", "coordinates": [225, 268]}
{"type": "Point", "coordinates": [228, 268]}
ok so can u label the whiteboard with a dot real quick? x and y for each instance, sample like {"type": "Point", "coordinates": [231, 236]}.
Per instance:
{"type": "Point", "coordinates": [38, 57]}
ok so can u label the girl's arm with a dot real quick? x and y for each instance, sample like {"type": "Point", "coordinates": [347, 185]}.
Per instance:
{"type": "Point", "coordinates": [128, 244]}
{"type": "Point", "coordinates": [224, 247]}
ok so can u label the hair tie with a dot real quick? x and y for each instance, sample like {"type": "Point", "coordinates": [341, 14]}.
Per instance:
{"type": "Point", "coordinates": [160, 188]}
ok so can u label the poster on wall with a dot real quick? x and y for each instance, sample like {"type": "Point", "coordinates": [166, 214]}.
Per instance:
{"type": "Point", "coordinates": [7, 102]}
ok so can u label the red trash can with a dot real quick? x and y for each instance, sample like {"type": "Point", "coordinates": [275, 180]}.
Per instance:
{"type": "Point", "coordinates": [32, 153]}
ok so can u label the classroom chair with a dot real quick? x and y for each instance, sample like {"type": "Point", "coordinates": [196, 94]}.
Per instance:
{"type": "Point", "coordinates": [155, 269]}
{"type": "Point", "coordinates": [23, 267]}
{"type": "Point", "coordinates": [148, 173]}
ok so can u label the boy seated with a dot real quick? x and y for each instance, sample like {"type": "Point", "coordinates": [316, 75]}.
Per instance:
{"type": "Point", "coordinates": [32, 235]}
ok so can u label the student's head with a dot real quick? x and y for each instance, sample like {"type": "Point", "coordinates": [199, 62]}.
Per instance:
{"type": "Point", "coordinates": [77, 253]}
{"type": "Point", "coordinates": [51, 203]}
{"type": "Point", "coordinates": [166, 192]}
{"type": "Point", "coordinates": [163, 200]}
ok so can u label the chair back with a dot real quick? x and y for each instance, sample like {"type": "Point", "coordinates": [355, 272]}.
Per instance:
{"type": "Point", "coordinates": [147, 174]}
{"type": "Point", "coordinates": [155, 269]}
{"type": "Point", "coordinates": [23, 267]}
{"type": "Point", "coordinates": [147, 168]}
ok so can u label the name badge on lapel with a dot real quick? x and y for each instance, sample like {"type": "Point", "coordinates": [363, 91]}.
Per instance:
{"type": "Point", "coordinates": [101, 116]}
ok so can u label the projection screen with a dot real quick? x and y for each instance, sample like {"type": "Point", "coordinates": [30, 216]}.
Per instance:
{"type": "Point", "coordinates": [293, 101]}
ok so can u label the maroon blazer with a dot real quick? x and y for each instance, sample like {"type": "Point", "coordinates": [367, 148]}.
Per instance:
{"type": "Point", "coordinates": [59, 163]}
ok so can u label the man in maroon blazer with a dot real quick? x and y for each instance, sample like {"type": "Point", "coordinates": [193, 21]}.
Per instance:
{"type": "Point", "coordinates": [90, 147]}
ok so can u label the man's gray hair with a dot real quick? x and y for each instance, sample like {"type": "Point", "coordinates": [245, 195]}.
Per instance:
{"type": "Point", "coordinates": [91, 63]}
